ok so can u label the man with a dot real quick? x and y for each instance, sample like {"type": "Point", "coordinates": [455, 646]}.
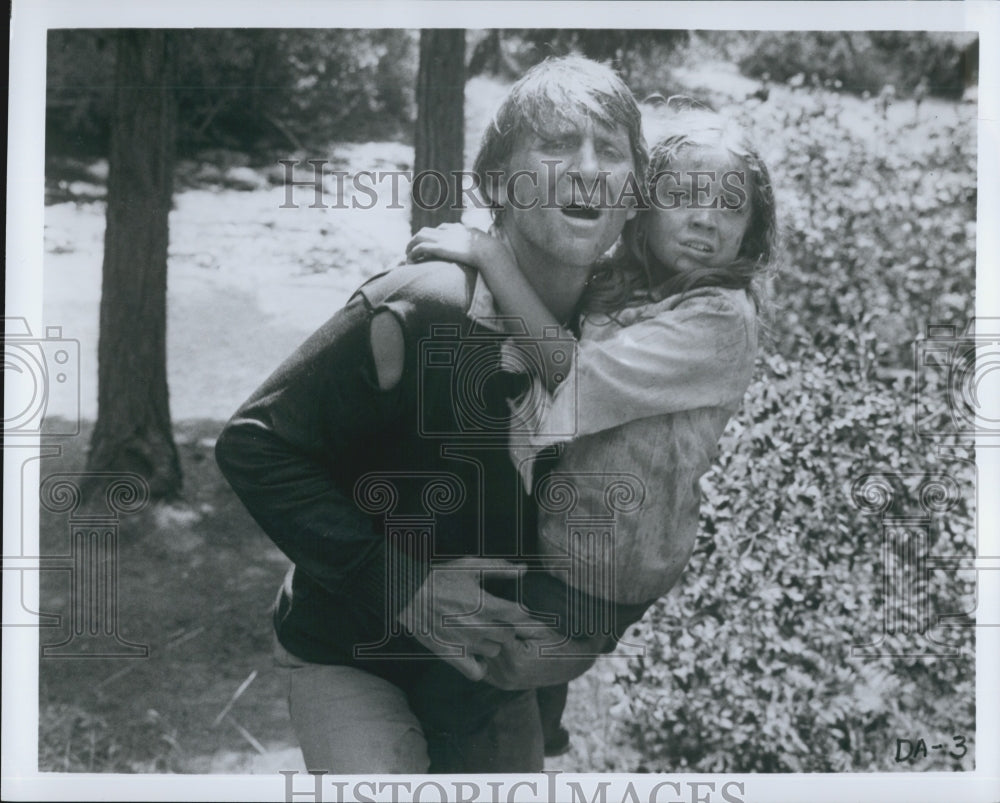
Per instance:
{"type": "Point", "coordinates": [376, 457]}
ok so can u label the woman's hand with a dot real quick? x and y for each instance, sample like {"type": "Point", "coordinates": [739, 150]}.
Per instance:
{"type": "Point", "coordinates": [455, 243]}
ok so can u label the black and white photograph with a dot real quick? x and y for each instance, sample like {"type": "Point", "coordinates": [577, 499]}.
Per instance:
{"type": "Point", "coordinates": [457, 401]}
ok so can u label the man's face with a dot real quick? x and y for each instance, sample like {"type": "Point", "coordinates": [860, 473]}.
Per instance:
{"type": "Point", "coordinates": [563, 193]}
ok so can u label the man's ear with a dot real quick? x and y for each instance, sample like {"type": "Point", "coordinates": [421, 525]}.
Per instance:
{"type": "Point", "coordinates": [492, 189]}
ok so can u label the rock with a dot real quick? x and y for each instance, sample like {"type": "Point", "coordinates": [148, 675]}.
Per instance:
{"type": "Point", "coordinates": [86, 190]}
{"type": "Point", "coordinates": [99, 170]}
{"type": "Point", "coordinates": [168, 516]}
{"type": "Point", "coordinates": [244, 178]}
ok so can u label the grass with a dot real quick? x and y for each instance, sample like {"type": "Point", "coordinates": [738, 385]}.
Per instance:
{"type": "Point", "coordinates": [196, 582]}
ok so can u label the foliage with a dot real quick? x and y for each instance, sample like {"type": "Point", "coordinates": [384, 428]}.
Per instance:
{"type": "Point", "coordinates": [260, 89]}
{"type": "Point", "coordinates": [632, 52]}
{"type": "Point", "coordinates": [856, 61]}
{"type": "Point", "coordinates": [749, 664]}
{"type": "Point", "coordinates": [72, 740]}
{"type": "Point", "coordinates": [245, 89]}
{"type": "Point", "coordinates": [80, 68]}
{"type": "Point", "coordinates": [863, 61]}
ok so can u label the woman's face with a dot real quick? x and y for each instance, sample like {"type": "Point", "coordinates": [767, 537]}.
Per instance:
{"type": "Point", "coordinates": [700, 208]}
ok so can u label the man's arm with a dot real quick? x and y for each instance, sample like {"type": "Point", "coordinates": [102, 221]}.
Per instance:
{"type": "Point", "coordinates": [289, 450]}
{"type": "Point", "coordinates": [545, 657]}
{"type": "Point", "coordinates": [524, 664]}
{"type": "Point", "coordinates": [490, 625]}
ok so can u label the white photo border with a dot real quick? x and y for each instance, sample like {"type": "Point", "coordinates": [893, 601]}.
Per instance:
{"type": "Point", "coordinates": [31, 19]}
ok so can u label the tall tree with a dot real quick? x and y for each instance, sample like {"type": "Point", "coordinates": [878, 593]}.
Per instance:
{"type": "Point", "coordinates": [440, 136]}
{"type": "Point", "coordinates": [133, 430]}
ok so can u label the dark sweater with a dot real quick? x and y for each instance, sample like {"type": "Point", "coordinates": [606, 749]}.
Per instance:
{"type": "Point", "coordinates": [355, 484]}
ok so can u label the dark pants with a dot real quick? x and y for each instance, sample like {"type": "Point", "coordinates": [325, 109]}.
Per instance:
{"type": "Point", "coordinates": [551, 704]}
{"type": "Point", "coordinates": [510, 741]}
{"type": "Point", "coordinates": [475, 727]}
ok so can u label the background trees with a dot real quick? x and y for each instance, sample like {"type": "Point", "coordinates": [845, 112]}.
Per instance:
{"type": "Point", "coordinates": [257, 91]}
{"type": "Point", "coordinates": [439, 139]}
{"type": "Point", "coordinates": [865, 61]}
{"type": "Point", "coordinates": [262, 91]}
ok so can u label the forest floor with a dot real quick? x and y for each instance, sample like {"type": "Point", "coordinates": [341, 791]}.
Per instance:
{"type": "Point", "coordinates": [249, 279]}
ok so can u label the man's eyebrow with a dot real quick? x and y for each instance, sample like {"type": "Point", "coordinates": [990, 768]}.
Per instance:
{"type": "Point", "coordinates": [611, 136]}
{"type": "Point", "coordinates": [604, 132]}
{"type": "Point", "coordinates": [560, 122]}
{"type": "Point", "coordinates": [556, 130]}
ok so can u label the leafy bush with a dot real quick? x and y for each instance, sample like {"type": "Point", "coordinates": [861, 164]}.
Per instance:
{"type": "Point", "coordinates": [72, 740]}
{"type": "Point", "coordinates": [635, 53]}
{"type": "Point", "coordinates": [80, 69]}
{"type": "Point", "coordinates": [245, 89]}
{"type": "Point", "coordinates": [749, 664]}
{"type": "Point", "coordinates": [260, 89]}
{"type": "Point", "coordinates": [865, 61]}
{"type": "Point", "coordinates": [296, 87]}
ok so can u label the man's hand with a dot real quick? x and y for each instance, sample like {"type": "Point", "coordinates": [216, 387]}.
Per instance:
{"type": "Point", "coordinates": [454, 617]}
{"type": "Point", "coordinates": [522, 664]}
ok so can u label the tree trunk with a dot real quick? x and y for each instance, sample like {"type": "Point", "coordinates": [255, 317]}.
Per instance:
{"type": "Point", "coordinates": [440, 136]}
{"type": "Point", "coordinates": [133, 430]}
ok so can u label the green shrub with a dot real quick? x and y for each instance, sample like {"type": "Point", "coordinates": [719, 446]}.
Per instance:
{"type": "Point", "coordinates": [748, 664]}
{"type": "Point", "coordinates": [247, 89]}
{"type": "Point", "coordinates": [80, 69]}
{"type": "Point", "coordinates": [864, 61]}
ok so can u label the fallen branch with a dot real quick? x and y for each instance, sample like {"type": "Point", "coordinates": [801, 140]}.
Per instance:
{"type": "Point", "coordinates": [285, 130]}
{"type": "Point", "coordinates": [236, 696]}
{"type": "Point", "coordinates": [186, 637]}
{"type": "Point", "coordinates": [119, 674]}
{"type": "Point", "coordinates": [248, 736]}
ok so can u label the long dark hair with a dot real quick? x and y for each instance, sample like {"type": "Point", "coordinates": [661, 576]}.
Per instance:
{"type": "Point", "coordinates": [634, 275]}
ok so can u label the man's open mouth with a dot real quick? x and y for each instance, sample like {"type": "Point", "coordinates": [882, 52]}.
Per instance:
{"type": "Point", "coordinates": [581, 212]}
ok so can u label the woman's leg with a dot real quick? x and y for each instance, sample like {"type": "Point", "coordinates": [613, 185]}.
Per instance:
{"type": "Point", "coordinates": [509, 741]}
{"type": "Point", "coordinates": [349, 721]}
{"type": "Point", "coordinates": [551, 704]}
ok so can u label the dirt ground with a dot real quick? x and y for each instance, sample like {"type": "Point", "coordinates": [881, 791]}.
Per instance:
{"type": "Point", "coordinates": [196, 581]}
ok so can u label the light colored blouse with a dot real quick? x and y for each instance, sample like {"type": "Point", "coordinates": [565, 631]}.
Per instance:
{"type": "Point", "coordinates": [647, 399]}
